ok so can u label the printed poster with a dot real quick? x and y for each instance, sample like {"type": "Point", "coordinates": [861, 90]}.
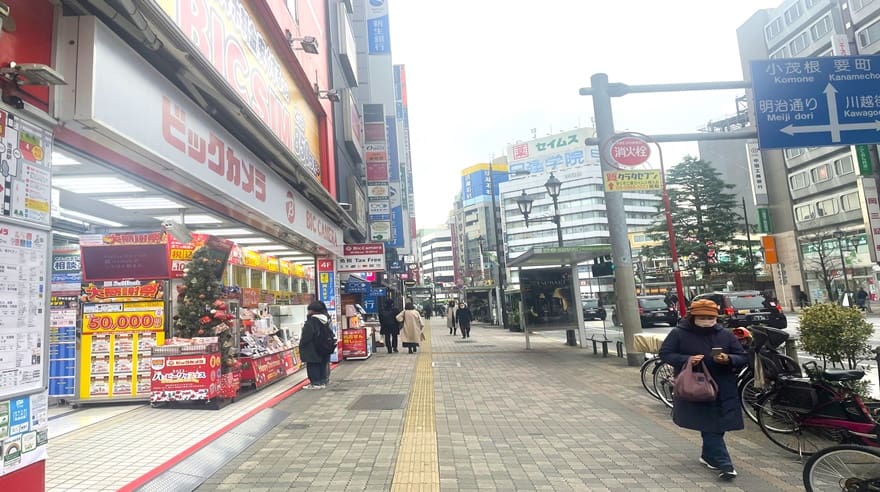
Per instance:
{"type": "Point", "coordinates": [24, 431]}
{"type": "Point", "coordinates": [25, 155]}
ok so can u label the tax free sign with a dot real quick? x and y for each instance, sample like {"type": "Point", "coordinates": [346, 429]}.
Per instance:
{"type": "Point", "coordinates": [813, 102]}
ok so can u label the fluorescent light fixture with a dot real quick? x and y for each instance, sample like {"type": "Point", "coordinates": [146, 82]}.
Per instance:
{"type": "Point", "coordinates": [286, 251]}
{"type": "Point", "coordinates": [191, 219]}
{"type": "Point", "coordinates": [250, 240]}
{"type": "Point", "coordinates": [143, 203]}
{"type": "Point", "coordinates": [225, 232]}
{"type": "Point", "coordinates": [94, 185]}
{"type": "Point", "coordinates": [268, 247]}
{"type": "Point", "coordinates": [61, 159]}
{"type": "Point", "coordinates": [65, 234]}
{"type": "Point", "coordinates": [89, 218]}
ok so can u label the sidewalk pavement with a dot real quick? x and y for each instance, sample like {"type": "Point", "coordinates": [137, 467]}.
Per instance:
{"type": "Point", "coordinates": [485, 414]}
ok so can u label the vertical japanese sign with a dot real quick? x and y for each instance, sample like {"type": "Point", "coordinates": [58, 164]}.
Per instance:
{"type": "Point", "coordinates": [376, 156]}
{"type": "Point", "coordinates": [62, 345]}
{"type": "Point", "coordinates": [400, 165]}
{"type": "Point", "coordinates": [328, 292]}
{"type": "Point", "coordinates": [756, 173]}
{"type": "Point", "coordinates": [378, 35]}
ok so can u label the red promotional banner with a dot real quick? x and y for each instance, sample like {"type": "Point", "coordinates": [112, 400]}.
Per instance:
{"type": "Point", "coordinates": [184, 377]}
{"type": "Point", "coordinates": [354, 343]}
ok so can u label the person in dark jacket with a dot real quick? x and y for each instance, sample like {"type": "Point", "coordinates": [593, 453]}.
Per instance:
{"type": "Point", "coordinates": [691, 342]}
{"type": "Point", "coordinates": [389, 326]}
{"type": "Point", "coordinates": [464, 317]}
{"type": "Point", "coordinates": [317, 364]}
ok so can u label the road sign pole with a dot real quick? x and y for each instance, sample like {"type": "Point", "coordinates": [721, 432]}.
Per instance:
{"type": "Point", "coordinates": [624, 280]}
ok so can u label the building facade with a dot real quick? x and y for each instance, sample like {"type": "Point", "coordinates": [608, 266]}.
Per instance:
{"type": "Point", "coordinates": [435, 255]}
{"type": "Point", "coordinates": [817, 197]}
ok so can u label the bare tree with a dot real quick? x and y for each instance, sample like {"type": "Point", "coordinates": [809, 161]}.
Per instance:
{"type": "Point", "coordinates": [821, 260]}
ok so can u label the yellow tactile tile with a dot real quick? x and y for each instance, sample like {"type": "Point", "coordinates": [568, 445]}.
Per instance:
{"type": "Point", "coordinates": [417, 467]}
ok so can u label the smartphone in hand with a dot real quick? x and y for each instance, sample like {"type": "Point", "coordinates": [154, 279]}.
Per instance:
{"type": "Point", "coordinates": [716, 351]}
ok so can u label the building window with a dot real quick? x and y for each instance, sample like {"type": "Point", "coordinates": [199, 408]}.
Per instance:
{"type": "Point", "coordinates": [850, 201]}
{"type": "Point", "coordinates": [792, 14]}
{"type": "Point", "coordinates": [793, 152]}
{"type": "Point", "coordinates": [821, 28]}
{"type": "Point", "coordinates": [803, 213]}
{"type": "Point", "coordinates": [843, 166]}
{"type": "Point", "coordinates": [869, 35]}
{"type": "Point", "coordinates": [294, 11]}
{"type": "Point", "coordinates": [857, 5]}
{"type": "Point", "coordinates": [821, 173]}
{"type": "Point", "coordinates": [799, 43]}
{"type": "Point", "coordinates": [773, 28]}
{"type": "Point", "coordinates": [810, 3]}
{"type": "Point", "coordinates": [826, 207]}
{"type": "Point", "coordinates": [798, 181]}
{"type": "Point", "coordinates": [780, 53]}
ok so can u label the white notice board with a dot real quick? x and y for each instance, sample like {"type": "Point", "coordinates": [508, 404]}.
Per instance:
{"type": "Point", "coordinates": [24, 288]}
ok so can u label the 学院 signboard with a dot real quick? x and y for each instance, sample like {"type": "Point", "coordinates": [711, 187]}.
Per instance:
{"type": "Point", "coordinates": [809, 102]}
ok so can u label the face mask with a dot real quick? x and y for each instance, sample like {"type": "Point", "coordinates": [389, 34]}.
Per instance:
{"type": "Point", "coordinates": [704, 323]}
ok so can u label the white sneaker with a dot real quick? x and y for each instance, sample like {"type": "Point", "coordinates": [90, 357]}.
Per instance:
{"type": "Point", "coordinates": [320, 386]}
{"type": "Point", "coordinates": [312, 386]}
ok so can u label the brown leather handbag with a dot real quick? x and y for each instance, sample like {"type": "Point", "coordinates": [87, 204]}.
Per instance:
{"type": "Point", "coordinates": [691, 385]}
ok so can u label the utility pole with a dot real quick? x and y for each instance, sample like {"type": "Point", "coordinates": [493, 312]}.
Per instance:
{"type": "Point", "coordinates": [498, 234]}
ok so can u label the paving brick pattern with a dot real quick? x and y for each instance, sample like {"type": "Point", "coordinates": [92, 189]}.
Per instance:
{"type": "Point", "coordinates": [553, 418]}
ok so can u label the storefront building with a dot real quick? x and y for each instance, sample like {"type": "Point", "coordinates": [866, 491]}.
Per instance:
{"type": "Point", "coordinates": [170, 123]}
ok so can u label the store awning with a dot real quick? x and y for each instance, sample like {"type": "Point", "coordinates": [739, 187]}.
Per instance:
{"type": "Point", "coordinates": [539, 256]}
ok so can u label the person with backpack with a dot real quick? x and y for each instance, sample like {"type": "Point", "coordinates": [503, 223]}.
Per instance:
{"type": "Point", "coordinates": [316, 343]}
{"type": "Point", "coordinates": [389, 326]}
{"type": "Point", "coordinates": [411, 334]}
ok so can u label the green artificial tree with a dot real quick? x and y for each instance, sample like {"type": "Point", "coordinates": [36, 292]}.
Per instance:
{"type": "Point", "coordinates": [200, 311]}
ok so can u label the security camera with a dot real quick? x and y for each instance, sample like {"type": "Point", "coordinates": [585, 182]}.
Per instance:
{"type": "Point", "coordinates": [14, 101]}
{"type": "Point", "coordinates": [345, 206]}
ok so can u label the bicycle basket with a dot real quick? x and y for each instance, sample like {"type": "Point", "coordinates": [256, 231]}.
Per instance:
{"type": "Point", "coordinates": [796, 395]}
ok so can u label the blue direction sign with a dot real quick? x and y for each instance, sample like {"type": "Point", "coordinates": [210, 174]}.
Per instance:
{"type": "Point", "coordinates": [813, 102]}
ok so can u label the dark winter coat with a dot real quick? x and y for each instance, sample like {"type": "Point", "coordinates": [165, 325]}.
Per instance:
{"type": "Point", "coordinates": [463, 316]}
{"type": "Point", "coordinates": [388, 325]}
{"type": "Point", "coordinates": [724, 414]}
{"type": "Point", "coordinates": [310, 332]}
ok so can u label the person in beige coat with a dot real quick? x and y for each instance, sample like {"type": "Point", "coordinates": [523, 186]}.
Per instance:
{"type": "Point", "coordinates": [411, 333]}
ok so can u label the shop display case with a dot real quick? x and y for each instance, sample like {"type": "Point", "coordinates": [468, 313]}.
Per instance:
{"type": "Point", "coordinates": [186, 372]}
{"type": "Point", "coordinates": [269, 344]}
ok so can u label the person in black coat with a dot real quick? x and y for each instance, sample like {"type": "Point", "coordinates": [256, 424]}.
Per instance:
{"type": "Point", "coordinates": [464, 317]}
{"type": "Point", "coordinates": [317, 364]}
{"type": "Point", "coordinates": [691, 342]}
{"type": "Point", "coordinates": [389, 326]}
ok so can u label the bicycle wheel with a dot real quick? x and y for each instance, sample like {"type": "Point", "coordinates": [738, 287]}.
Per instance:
{"type": "Point", "coordinates": [664, 380]}
{"type": "Point", "coordinates": [748, 397]}
{"type": "Point", "coordinates": [647, 373]}
{"type": "Point", "coordinates": [843, 468]}
{"type": "Point", "coordinates": [784, 428]}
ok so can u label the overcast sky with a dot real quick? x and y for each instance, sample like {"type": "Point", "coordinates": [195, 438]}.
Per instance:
{"type": "Point", "coordinates": [483, 73]}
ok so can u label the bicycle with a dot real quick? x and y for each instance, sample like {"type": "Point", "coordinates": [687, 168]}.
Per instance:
{"type": "Point", "coordinates": [766, 342]}
{"type": "Point", "coordinates": [846, 468]}
{"type": "Point", "coordinates": [648, 371]}
{"type": "Point", "coordinates": [805, 415]}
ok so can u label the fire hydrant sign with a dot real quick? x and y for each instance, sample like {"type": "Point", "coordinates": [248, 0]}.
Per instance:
{"type": "Point", "coordinates": [362, 258]}
{"type": "Point", "coordinates": [629, 151]}
{"type": "Point", "coordinates": [646, 180]}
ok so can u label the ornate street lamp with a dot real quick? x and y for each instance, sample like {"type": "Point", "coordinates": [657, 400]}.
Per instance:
{"type": "Point", "coordinates": [524, 202]}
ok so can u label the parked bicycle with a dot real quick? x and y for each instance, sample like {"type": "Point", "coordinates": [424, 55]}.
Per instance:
{"type": "Point", "coordinates": [845, 468]}
{"type": "Point", "coordinates": [805, 415]}
{"type": "Point", "coordinates": [768, 343]}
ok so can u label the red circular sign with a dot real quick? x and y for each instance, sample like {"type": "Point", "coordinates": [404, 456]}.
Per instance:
{"type": "Point", "coordinates": [629, 151]}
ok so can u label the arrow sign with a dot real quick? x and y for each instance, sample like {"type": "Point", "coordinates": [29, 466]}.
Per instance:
{"type": "Point", "coordinates": [812, 102]}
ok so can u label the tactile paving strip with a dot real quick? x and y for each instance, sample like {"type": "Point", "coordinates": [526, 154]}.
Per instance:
{"type": "Point", "coordinates": [417, 467]}
{"type": "Point", "coordinates": [198, 467]}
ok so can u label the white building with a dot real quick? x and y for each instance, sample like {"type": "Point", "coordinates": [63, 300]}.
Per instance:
{"type": "Point", "coordinates": [436, 258]}
{"type": "Point", "coordinates": [584, 219]}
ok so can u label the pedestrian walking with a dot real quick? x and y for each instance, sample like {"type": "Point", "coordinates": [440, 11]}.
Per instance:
{"type": "Point", "coordinates": [862, 298]}
{"type": "Point", "coordinates": [317, 362]}
{"type": "Point", "coordinates": [450, 318]}
{"type": "Point", "coordinates": [389, 326]}
{"type": "Point", "coordinates": [699, 340]}
{"type": "Point", "coordinates": [464, 317]}
{"type": "Point", "coordinates": [803, 300]}
{"type": "Point", "coordinates": [671, 299]}
{"type": "Point", "coordinates": [411, 333]}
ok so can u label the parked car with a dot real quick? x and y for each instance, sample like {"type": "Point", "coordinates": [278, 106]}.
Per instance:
{"type": "Point", "coordinates": [593, 309]}
{"type": "Point", "coordinates": [748, 307]}
{"type": "Point", "coordinates": [653, 310]}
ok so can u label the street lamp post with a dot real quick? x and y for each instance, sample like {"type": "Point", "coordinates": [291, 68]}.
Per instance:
{"type": "Point", "coordinates": [524, 202]}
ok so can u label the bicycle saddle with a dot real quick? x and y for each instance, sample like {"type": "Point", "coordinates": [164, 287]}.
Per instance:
{"type": "Point", "coordinates": [843, 374]}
